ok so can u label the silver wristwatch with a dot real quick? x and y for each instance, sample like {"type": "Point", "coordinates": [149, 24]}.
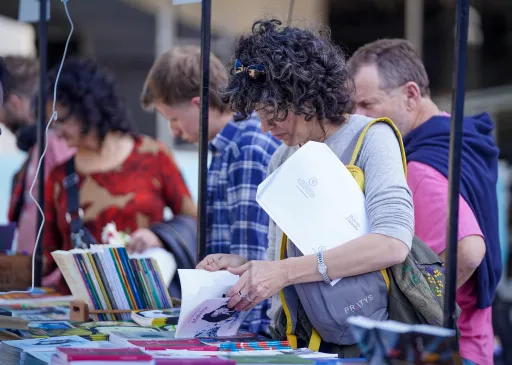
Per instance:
{"type": "Point", "coordinates": [322, 267]}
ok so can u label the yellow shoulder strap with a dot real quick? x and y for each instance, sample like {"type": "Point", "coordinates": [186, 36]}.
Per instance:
{"type": "Point", "coordinates": [359, 143]}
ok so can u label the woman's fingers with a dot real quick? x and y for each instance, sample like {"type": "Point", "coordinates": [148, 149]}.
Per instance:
{"type": "Point", "coordinates": [208, 263]}
{"type": "Point", "coordinates": [252, 304]}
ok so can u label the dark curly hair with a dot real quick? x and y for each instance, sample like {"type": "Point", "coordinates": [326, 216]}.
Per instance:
{"type": "Point", "coordinates": [90, 94]}
{"type": "Point", "coordinates": [305, 74]}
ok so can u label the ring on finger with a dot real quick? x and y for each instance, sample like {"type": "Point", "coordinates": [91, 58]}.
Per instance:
{"type": "Point", "coordinates": [246, 296]}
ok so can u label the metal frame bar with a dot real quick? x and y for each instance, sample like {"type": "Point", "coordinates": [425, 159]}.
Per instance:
{"type": "Point", "coordinates": [206, 15]}
{"type": "Point", "coordinates": [41, 126]}
{"type": "Point", "coordinates": [459, 78]}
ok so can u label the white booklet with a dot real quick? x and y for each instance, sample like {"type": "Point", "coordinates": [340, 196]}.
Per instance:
{"type": "Point", "coordinates": [204, 311]}
{"type": "Point", "coordinates": [315, 200]}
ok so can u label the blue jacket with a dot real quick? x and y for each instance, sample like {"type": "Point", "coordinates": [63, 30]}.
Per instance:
{"type": "Point", "coordinates": [429, 144]}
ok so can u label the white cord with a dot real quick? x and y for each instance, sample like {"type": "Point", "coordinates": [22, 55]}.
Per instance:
{"type": "Point", "coordinates": [52, 118]}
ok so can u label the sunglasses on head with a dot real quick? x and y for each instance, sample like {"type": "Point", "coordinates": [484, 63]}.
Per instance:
{"type": "Point", "coordinates": [255, 73]}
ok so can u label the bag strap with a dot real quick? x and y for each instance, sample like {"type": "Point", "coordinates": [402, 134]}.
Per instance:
{"type": "Point", "coordinates": [359, 143]}
{"type": "Point", "coordinates": [74, 214]}
{"type": "Point", "coordinates": [22, 181]}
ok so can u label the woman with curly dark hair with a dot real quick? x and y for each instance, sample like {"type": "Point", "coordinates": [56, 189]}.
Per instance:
{"type": "Point", "coordinates": [116, 175]}
{"type": "Point", "coordinates": [298, 82]}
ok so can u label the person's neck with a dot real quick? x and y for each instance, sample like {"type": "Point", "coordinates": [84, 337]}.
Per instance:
{"type": "Point", "coordinates": [427, 110]}
{"type": "Point", "coordinates": [217, 123]}
{"type": "Point", "coordinates": [97, 148]}
{"type": "Point", "coordinates": [327, 130]}
{"type": "Point", "coordinates": [104, 156]}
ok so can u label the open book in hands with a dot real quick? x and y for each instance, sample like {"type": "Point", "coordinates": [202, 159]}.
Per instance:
{"type": "Point", "coordinates": [204, 311]}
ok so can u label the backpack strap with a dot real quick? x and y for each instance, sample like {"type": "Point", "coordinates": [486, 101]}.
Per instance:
{"type": "Point", "coordinates": [80, 236]}
{"type": "Point", "coordinates": [359, 143]}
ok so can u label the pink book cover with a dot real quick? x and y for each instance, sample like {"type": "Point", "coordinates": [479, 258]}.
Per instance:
{"type": "Point", "coordinates": [192, 344]}
{"type": "Point", "coordinates": [96, 354]}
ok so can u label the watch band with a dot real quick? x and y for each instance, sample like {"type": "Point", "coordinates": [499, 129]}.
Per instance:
{"type": "Point", "coordinates": [322, 267]}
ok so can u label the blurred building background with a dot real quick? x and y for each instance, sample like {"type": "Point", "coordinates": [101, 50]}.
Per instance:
{"type": "Point", "coordinates": [125, 35]}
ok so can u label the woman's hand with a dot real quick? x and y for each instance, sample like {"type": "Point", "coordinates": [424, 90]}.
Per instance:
{"type": "Point", "coordinates": [221, 261]}
{"type": "Point", "coordinates": [142, 239]}
{"type": "Point", "coordinates": [259, 280]}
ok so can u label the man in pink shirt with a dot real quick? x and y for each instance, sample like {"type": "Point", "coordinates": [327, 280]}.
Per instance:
{"type": "Point", "coordinates": [391, 81]}
{"type": "Point", "coordinates": [17, 114]}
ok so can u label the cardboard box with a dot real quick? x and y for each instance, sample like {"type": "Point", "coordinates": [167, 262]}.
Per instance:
{"type": "Point", "coordinates": [15, 272]}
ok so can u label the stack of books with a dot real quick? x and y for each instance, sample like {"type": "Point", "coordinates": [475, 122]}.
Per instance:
{"type": "Point", "coordinates": [15, 352]}
{"type": "Point", "coordinates": [157, 318]}
{"type": "Point", "coordinates": [105, 278]}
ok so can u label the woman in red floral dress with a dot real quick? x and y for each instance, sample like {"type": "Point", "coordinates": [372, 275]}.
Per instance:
{"type": "Point", "coordinates": [123, 177]}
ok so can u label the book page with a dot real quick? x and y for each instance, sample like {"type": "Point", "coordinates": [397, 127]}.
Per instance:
{"type": "Point", "coordinates": [211, 318]}
{"type": "Point", "coordinates": [199, 288]}
{"type": "Point", "coordinates": [193, 281]}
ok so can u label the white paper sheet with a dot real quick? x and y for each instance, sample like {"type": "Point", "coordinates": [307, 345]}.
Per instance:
{"type": "Point", "coordinates": [315, 200]}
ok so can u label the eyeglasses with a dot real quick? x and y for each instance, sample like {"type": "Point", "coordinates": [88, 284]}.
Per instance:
{"type": "Point", "coordinates": [255, 73]}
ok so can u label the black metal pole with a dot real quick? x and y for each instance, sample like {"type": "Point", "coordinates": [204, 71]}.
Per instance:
{"type": "Point", "coordinates": [459, 78]}
{"type": "Point", "coordinates": [206, 14]}
{"type": "Point", "coordinates": [41, 126]}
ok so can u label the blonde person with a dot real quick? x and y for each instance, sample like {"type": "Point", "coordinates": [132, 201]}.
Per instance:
{"type": "Point", "coordinates": [240, 150]}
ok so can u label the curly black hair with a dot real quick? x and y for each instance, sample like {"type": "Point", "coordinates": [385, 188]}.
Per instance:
{"type": "Point", "coordinates": [305, 74]}
{"type": "Point", "coordinates": [90, 93]}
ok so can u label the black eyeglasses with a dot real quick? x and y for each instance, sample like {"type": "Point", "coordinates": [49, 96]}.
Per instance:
{"type": "Point", "coordinates": [255, 73]}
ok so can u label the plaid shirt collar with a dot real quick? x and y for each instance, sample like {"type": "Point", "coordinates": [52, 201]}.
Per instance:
{"type": "Point", "coordinates": [227, 134]}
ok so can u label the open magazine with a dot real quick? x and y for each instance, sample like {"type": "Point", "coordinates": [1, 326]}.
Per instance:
{"type": "Point", "coordinates": [204, 311]}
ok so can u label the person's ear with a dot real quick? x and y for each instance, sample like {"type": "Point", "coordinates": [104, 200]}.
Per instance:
{"type": "Point", "coordinates": [14, 102]}
{"type": "Point", "coordinates": [412, 94]}
{"type": "Point", "coordinates": [196, 102]}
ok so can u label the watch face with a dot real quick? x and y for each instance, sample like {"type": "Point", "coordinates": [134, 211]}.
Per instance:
{"type": "Point", "coordinates": [322, 269]}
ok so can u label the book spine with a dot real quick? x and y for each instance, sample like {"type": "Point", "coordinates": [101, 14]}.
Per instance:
{"type": "Point", "coordinates": [147, 286]}
{"type": "Point", "coordinates": [104, 283]}
{"type": "Point", "coordinates": [110, 281]}
{"type": "Point", "coordinates": [117, 280]}
{"type": "Point", "coordinates": [130, 276]}
{"type": "Point", "coordinates": [146, 303]}
{"type": "Point", "coordinates": [88, 285]}
{"type": "Point", "coordinates": [154, 289]}
{"type": "Point", "coordinates": [122, 276]}
{"type": "Point", "coordinates": [166, 298]}
{"type": "Point", "coordinates": [94, 279]}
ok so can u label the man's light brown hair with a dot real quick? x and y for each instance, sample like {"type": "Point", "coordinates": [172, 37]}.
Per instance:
{"type": "Point", "coordinates": [175, 77]}
{"type": "Point", "coordinates": [397, 63]}
{"type": "Point", "coordinates": [23, 76]}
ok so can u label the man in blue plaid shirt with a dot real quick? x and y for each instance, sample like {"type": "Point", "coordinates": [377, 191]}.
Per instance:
{"type": "Point", "coordinates": [240, 151]}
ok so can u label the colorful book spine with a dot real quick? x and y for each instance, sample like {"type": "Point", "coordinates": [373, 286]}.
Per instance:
{"type": "Point", "coordinates": [259, 345]}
